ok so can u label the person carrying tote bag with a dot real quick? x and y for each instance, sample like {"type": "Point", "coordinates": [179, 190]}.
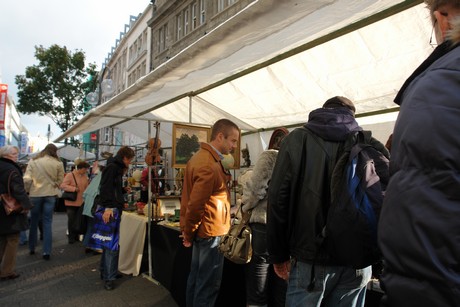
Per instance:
{"type": "Point", "coordinates": [75, 181]}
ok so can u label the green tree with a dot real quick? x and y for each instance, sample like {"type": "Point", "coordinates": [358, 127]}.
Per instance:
{"type": "Point", "coordinates": [186, 147]}
{"type": "Point", "coordinates": [57, 86]}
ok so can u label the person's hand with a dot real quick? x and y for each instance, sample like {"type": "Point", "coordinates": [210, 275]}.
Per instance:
{"type": "Point", "coordinates": [108, 215]}
{"type": "Point", "coordinates": [185, 242]}
{"type": "Point", "coordinates": [282, 269]}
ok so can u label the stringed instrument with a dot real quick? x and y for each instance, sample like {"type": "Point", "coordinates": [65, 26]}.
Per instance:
{"type": "Point", "coordinates": [153, 156]}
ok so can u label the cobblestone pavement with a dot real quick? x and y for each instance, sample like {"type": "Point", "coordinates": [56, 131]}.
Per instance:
{"type": "Point", "coordinates": [71, 278]}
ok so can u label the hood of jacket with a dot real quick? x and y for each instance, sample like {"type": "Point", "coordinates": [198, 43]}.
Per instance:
{"type": "Point", "coordinates": [332, 124]}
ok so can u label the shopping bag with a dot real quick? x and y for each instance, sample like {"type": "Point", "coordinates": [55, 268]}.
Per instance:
{"type": "Point", "coordinates": [105, 236]}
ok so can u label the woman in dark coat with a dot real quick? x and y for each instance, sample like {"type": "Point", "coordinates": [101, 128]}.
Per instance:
{"type": "Point", "coordinates": [11, 225]}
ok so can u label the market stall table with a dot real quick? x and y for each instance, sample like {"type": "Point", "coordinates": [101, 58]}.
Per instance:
{"type": "Point", "coordinates": [133, 228]}
{"type": "Point", "coordinates": [171, 266]}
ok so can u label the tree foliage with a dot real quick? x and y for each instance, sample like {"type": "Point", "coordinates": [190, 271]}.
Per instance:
{"type": "Point", "coordinates": [56, 87]}
{"type": "Point", "coordinates": [186, 147]}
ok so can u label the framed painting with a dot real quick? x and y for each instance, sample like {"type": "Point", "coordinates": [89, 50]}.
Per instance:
{"type": "Point", "coordinates": [186, 141]}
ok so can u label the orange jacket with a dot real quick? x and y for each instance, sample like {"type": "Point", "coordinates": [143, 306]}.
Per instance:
{"type": "Point", "coordinates": [205, 201]}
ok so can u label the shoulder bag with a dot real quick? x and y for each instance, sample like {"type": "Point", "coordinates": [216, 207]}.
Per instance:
{"type": "Point", "coordinates": [10, 203]}
{"type": "Point", "coordinates": [236, 245]}
{"type": "Point", "coordinates": [72, 196]}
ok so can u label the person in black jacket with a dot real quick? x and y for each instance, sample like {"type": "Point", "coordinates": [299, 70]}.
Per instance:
{"type": "Point", "coordinates": [298, 198]}
{"type": "Point", "coordinates": [111, 197]}
{"type": "Point", "coordinates": [11, 225]}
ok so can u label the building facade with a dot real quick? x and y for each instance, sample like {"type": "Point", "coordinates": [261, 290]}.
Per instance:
{"type": "Point", "coordinates": [164, 29]}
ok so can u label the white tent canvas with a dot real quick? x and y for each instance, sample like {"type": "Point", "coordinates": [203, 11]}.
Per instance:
{"type": "Point", "coordinates": [275, 62]}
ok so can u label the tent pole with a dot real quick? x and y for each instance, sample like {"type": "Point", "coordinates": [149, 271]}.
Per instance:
{"type": "Point", "coordinates": [149, 216]}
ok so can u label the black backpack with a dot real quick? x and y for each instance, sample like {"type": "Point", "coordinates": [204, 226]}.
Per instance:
{"type": "Point", "coordinates": [350, 233]}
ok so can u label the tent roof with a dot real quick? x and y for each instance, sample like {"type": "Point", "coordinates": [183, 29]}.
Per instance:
{"type": "Point", "coordinates": [275, 62]}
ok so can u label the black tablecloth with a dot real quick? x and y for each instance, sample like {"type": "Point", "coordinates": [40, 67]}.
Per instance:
{"type": "Point", "coordinates": [171, 266]}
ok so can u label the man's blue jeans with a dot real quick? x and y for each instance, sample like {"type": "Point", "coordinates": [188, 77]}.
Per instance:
{"type": "Point", "coordinates": [109, 264]}
{"type": "Point", "coordinates": [205, 273]}
{"type": "Point", "coordinates": [334, 286]}
{"type": "Point", "coordinates": [44, 207]}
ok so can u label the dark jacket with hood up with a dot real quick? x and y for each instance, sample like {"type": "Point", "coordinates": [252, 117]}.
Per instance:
{"type": "Point", "coordinates": [111, 193]}
{"type": "Point", "coordinates": [299, 191]}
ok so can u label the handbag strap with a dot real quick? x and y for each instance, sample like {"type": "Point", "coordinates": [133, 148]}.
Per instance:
{"type": "Point", "coordinates": [9, 182]}
{"type": "Point", "coordinates": [76, 184]}
{"type": "Point", "coordinates": [245, 216]}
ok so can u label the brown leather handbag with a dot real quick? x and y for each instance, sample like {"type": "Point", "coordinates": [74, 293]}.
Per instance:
{"type": "Point", "coordinates": [10, 203]}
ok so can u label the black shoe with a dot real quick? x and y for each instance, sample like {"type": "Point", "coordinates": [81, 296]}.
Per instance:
{"type": "Point", "coordinates": [46, 257]}
{"type": "Point", "coordinates": [32, 253]}
{"type": "Point", "coordinates": [108, 285]}
{"type": "Point", "coordinates": [12, 276]}
{"type": "Point", "coordinates": [119, 276]}
{"type": "Point", "coordinates": [71, 241]}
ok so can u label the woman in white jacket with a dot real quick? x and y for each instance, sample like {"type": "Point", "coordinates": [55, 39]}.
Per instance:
{"type": "Point", "coordinates": [43, 176]}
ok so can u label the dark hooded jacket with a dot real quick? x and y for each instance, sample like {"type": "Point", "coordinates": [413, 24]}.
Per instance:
{"type": "Point", "coordinates": [419, 229]}
{"type": "Point", "coordinates": [299, 191]}
{"type": "Point", "coordinates": [111, 193]}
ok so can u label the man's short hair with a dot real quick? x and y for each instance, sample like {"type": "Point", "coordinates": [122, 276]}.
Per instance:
{"type": "Point", "coordinates": [223, 125]}
{"type": "Point", "coordinates": [339, 102]}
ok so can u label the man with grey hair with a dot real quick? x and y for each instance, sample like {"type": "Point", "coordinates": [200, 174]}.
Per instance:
{"type": "Point", "coordinates": [419, 229]}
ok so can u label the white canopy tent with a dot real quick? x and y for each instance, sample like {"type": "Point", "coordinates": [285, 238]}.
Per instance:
{"type": "Point", "coordinates": [273, 63]}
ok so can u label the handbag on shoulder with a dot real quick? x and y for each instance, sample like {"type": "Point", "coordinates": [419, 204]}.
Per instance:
{"type": "Point", "coordinates": [10, 204]}
{"type": "Point", "coordinates": [72, 196]}
{"type": "Point", "coordinates": [236, 245]}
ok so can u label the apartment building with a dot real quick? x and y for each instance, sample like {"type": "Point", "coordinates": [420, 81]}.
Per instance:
{"type": "Point", "coordinates": [154, 37]}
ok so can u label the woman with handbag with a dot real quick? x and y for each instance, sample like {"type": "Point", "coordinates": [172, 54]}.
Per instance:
{"type": "Point", "coordinates": [74, 184]}
{"type": "Point", "coordinates": [13, 223]}
{"type": "Point", "coordinates": [44, 174]}
{"type": "Point", "coordinates": [263, 286]}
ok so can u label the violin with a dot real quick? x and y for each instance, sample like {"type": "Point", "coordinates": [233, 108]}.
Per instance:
{"type": "Point", "coordinates": [153, 156]}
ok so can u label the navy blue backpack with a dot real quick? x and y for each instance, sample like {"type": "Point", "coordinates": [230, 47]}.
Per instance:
{"type": "Point", "coordinates": [350, 233]}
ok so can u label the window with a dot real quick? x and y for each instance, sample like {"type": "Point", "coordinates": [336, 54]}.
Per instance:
{"type": "Point", "coordinates": [178, 26]}
{"type": "Point", "coordinates": [162, 37]}
{"type": "Point", "coordinates": [202, 12]}
{"type": "Point", "coordinates": [194, 15]}
{"type": "Point", "coordinates": [220, 5]}
{"type": "Point", "coordinates": [106, 134]}
{"type": "Point", "coordinates": [186, 22]}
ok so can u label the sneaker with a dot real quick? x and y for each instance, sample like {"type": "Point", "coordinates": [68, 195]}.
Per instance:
{"type": "Point", "coordinates": [46, 257]}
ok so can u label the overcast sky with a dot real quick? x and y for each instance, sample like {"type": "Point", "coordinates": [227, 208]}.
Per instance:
{"type": "Point", "coordinates": [88, 25]}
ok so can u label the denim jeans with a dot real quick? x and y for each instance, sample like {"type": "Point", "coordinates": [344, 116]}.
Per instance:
{"type": "Point", "coordinates": [109, 264]}
{"type": "Point", "coordinates": [44, 208]}
{"type": "Point", "coordinates": [334, 286]}
{"type": "Point", "coordinates": [206, 269]}
{"type": "Point", "coordinates": [263, 286]}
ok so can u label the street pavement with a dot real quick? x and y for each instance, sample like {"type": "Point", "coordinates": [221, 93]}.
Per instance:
{"type": "Point", "coordinates": [71, 278]}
